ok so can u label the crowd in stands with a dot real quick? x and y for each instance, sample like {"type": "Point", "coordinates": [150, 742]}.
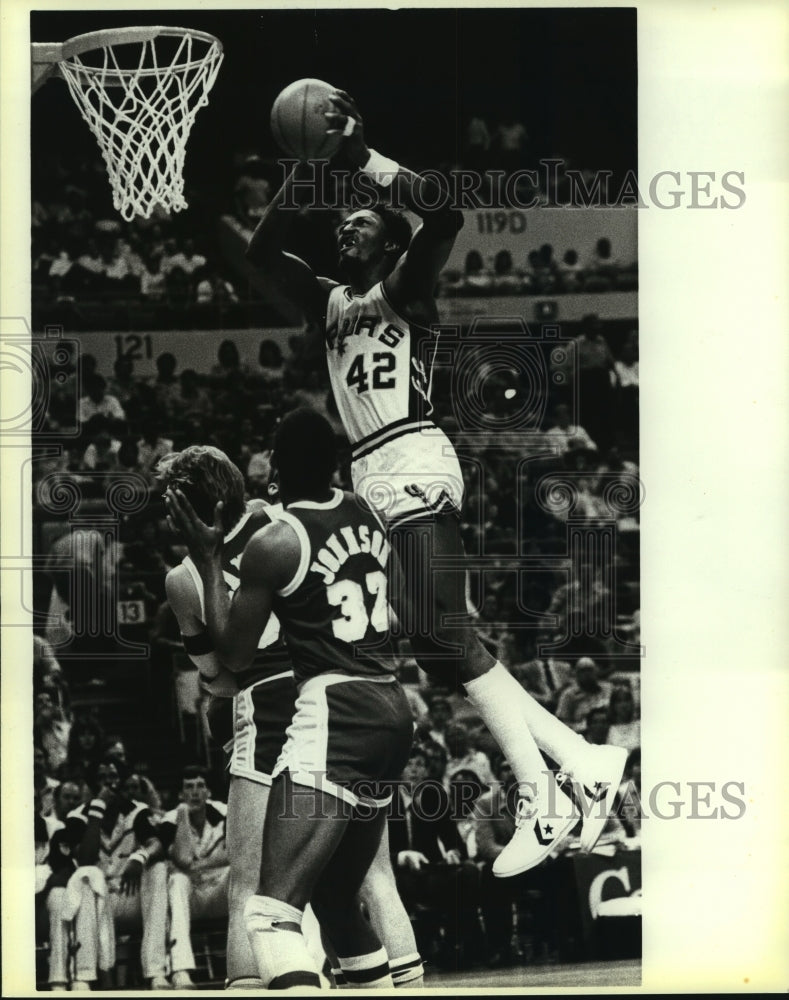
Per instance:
{"type": "Point", "coordinates": [540, 273]}
{"type": "Point", "coordinates": [90, 269]}
{"type": "Point", "coordinates": [453, 813]}
{"type": "Point", "coordinates": [125, 423]}
{"type": "Point", "coordinates": [97, 775]}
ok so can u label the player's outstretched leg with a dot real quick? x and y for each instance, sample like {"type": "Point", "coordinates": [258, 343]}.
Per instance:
{"type": "Point", "coordinates": [431, 613]}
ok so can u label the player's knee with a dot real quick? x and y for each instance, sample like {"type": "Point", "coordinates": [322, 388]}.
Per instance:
{"type": "Point", "coordinates": [281, 954]}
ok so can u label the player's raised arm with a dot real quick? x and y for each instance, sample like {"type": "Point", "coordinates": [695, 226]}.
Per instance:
{"type": "Point", "coordinates": [235, 627]}
{"type": "Point", "coordinates": [293, 276]}
{"type": "Point", "coordinates": [417, 271]}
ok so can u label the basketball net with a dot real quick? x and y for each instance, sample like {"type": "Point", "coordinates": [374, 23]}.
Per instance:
{"type": "Point", "coordinates": [142, 114]}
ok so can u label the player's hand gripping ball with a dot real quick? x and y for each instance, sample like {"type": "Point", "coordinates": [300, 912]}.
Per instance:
{"type": "Point", "coordinates": [299, 121]}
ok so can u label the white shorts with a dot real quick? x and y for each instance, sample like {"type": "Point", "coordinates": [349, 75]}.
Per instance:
{"type": "Point", "coordinates": [261, 715]}
{"type": "Point", "coordinates": [412, 475]}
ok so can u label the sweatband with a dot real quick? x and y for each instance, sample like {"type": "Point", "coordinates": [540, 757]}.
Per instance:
{"type": "Point", "coordinates": [198, 645]}
{"type": "Point", "coordinates": [97, 808]}
{"type": "Point", "coordinates": [380, 168]}
{"type": "Point", "coordinates": [140, 855]}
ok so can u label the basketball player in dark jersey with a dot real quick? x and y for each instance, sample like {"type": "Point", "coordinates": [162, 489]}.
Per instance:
{"type": "Point", "coordinates": [253, 707]}
{"type": "Point", "coordinates": [373, 326]}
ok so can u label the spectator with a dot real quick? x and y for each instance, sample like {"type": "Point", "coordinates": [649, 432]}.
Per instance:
{"type": "Point", "coordinates": [115, 270]}
{"type": "Point", "coordinates": [585, 693]}
{"type": "Point", "coordinates": [198, 881]}
{"type": "Point", "coordinates": [54, 867]}
{"type": "Point", "coordinates": [152, 446]}
{"type": "Point", "coordinates": [493, 817]}
{"type": "Point", "coordinates": [581, 604]}
{"type": "Point", "coordinates": [85, 747]}
{"type": "Point", "coordinates": [439, 712]}
{"type": "Point", "coordinates": [123, 384]}
{"type": "Point", "coordinates": [565, 434]}
{"type": "Point", "coordinates": [69, 795]}
{"type": "Point", "coordinates": [430, 864]}
{"type": "Point", "coordinates": [166, 385]}
{"type": "Point", "coordinates": [602, 267]}
{"type": "Point", "coordinates": [475, 280]}
{"type": "Point", "coordinates": [465, 789]}
{"type": "Point", "coordinates": [629, 809]}
{"type": "Point", "coordinates": [47, 672]}
{"type": "Point", "coordinates": [101, 454]}
{"type": "Point", "coordinates": [510, 142]}
{"type": "Point", "coordinates": [228, 361]}
{"type": "Point", "coordinates": [191, 400]}
{"type": "Point", "coordinates": [597, 725]}
{"type": "Point", "coordinates": [596, 376]}
{"type": "Point", "coordinates": [116, 751]}
{"type": "Point", "coordinates": [252, 192]}
{"type": "Point", "coordinates": [186, 259]}
{"type": "Point", "coordinates": [462, 757]}
{"type": "Point", "coordinates": [113, 890]}
{"type": "Point", "coordinates": [544, 679]}
{"type": "Point", "coordinates": [258, 470]}
{"type": "Point", "coordinates": [142, 789]}
{"type": "Point", "coordinates": [44, 783]}
{"type": "Point", "coordinates": [51, 729]}
{"type": "Point", "coordinates": [96, 401]}
{"type": "Point", "coordinates": [571, 272]}
{"type": "Point", "coordinates": [625, 728]}
{"type": "Point", "coordinates": [506, 281]}
{"type": "Point", "coordinates": [153, 281]}
{"type": "Point", "coordinates": [271, 363]}
{"type": "Point", "coordinates": [626, 367]}
{"type": "Point", "coordinates": [90, 261]}
{"type": "Point", "coordinates": [544, 273]}
{"type": "Point", "coordinates": [477, 143]}
{"type": "Point", "coordinates": [128, 454]}
{"type": "Point", "coordinates": [213, 289]}
{"type": "Point", "coordinates": [436, 757]}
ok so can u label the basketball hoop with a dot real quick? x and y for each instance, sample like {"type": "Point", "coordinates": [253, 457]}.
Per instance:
{"type": "Point", "coordinates": [139, 90]}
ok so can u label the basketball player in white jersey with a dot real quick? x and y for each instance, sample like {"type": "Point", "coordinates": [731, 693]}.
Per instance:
{"type": "Point", "coordinates": [374, 327]}
{"type": "Point", "coordinates": [250, 712]}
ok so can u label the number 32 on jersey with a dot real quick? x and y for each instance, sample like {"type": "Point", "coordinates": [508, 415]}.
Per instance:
{"type": "Point", "coordinates": [354, 620]}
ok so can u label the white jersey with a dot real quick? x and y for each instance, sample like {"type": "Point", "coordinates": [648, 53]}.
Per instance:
{"type": "Point", "coordinates": [381, 382]}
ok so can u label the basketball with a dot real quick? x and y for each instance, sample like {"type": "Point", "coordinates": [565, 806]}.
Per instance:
{"type": "Point", "coordinates": [298, 123]}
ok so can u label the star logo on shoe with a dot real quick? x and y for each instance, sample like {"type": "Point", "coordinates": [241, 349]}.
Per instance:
{"type": "Point", "coordinates": [543, 839]}
{"type": "Point", "coordinates": [599, 793]}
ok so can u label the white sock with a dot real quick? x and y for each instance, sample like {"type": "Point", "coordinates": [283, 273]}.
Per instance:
{"type": "Point", "coordinates": [407, 971]}
{"type": "Point", "coordinates": [559, 741]}
{"type": "Point", "coordinates": [364, 972]}
{"type": "Point", "coordinates": [495, 697]}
